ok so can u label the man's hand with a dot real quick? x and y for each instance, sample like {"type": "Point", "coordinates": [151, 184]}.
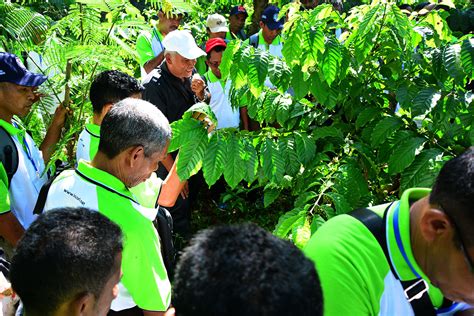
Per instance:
{"type": "Point", "coordinates": [197, 86]}
{"type": "Point", "coordinates": [208, 124]}
{"type": "Point", "coordinates": [60, 114]}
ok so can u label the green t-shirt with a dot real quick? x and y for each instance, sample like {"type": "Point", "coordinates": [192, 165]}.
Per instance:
{"type": "Point", "coordinates": [355, 275]}
{"type": "Point", "coordinates": [145, 280]}
{"type": "Point", "coordinates": [149, 45]}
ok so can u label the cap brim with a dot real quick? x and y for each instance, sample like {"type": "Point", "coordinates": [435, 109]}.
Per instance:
{"type": "Point", "coordinates": [31, 80]}
{"type": "Point", "coordinates": [275, 25]}
{"type": "Point", "coordinates": [219, 29]}
{"type": "Point", "coordinates": [193, 53]}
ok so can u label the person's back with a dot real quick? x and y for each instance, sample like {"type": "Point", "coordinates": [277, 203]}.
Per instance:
{"type": "Point", "coordinates": [244, 270]}
{"type": "Point", "coordinates": [67, 264]}
{"type": "Point", "coordinates": [409, 257]}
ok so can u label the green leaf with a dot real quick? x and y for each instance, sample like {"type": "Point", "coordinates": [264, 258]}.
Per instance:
{"type": "Point", "coordinates": [422, 172]}
{"type": "Point", "coordinates": [292, 164]}
{"type": "Point", "coordinates": [299, 83]}
{"type": "Point", "coordinates": [286, 222]}
{"type": "Point", "coordinates": [191, 154]}
{"type": "Point", "coordinates": [404, 154]}
{"type": "Point", "coordinates": [214, 158]}
{"type": "Point", "coordinates": [327, 131]}
{"type": "Point", "coordinates": [340, 203]}
{"type": "Point", "coordinates": [366, 116]}
{"type": "Point", "coordinates": [384, 129]}
{"type": "Point", "coordinates": [234, 168]}
{"type": "Point", "coordinates": [331, 60]}
{"type": "Point", "coordinates": [424, 101]}
{"type": "Point", "coordinates": [269, 106]}
{"type": "Point", "coordinates": [279, 74]}
{"type": "Point", "coordinates": [249, 156]}
{"type": "Point", "coordinates": [301, 232]}
{"type": "Point", "coordinates": [305, 147]}
{"type": "Point", "coordinates": [184, 131]}
{"type": "Point", "coordinates": [292, 50]}
{"type": "Point", "coordinates": [350, 183]}
{"type": "Point", "coordinates": [283, 109]}
{"type": "Point", "coordinates": [304, 198]}
{"type": "Point", "coordinates": [452, 62]}
{"type": "Point", "coordinates": [257, 71]}
{"type": "Point", "coordinates": [467, 56]}
{"type": "Point", "coordinates": [272, 162]}
{"type": "Point", "coordinates": [270, 194]}
{"type": "Point", "coordinates": [227, 58]}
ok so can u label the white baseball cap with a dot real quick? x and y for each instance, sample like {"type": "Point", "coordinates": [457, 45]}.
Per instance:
{"type": "Point", "coordinates": [217, 23]}
{"type": "Point", "coordinates": [183, 43]}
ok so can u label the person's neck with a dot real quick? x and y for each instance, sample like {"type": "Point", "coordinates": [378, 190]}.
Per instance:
{"type": "Point", "coordinates": [111, 166]}
{"type": "Point", "coordinates": [97, 119]}
{"type": "Point", "coordinates": [218, 76]}
{"type": "Point", "coordinates": [6, 117]}
{"type": "Point", "coordinates": [234, 31]}
{"type": "Point", "coordinates": [161, 30]}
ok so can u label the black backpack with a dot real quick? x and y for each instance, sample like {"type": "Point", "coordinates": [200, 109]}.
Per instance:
{"type": "Point", "coordinates": [253, 40]}
{"type": "Point", "coordinates": [8, 154]}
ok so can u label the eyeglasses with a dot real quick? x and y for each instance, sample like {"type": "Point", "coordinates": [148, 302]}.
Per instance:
{"type": "Point", "coordinates": [468, 258]}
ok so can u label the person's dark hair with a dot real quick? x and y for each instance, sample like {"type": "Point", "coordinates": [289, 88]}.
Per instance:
{"type": "Point", "coordinates": [405, 7]}
{"type": "Point", "coordinates": [216, 49]}
{"type": "Point", "coordinates": [112, 86]}
{"type": "Point", "coordinates": [65, 253]}
{"type": "Point", "coordinates": [134, 122]}
{"type": "Point", "coordinates": [453, 191]}
{"type": "Point", "coordinates": [245, 270]}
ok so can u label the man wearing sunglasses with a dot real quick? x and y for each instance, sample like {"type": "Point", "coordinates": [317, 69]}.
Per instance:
{"type": "Point", "coordinates": [409, 257]}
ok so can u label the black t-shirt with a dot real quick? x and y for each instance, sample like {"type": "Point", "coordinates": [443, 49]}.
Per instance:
{"type": "Point", "coordinates": [170, 94]}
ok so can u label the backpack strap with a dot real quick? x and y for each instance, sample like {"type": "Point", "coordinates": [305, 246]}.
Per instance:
{"type": "Point", "coordinates": [8, 154]}
{"type": "Point", "coordinates": [416, 291]}
{"type": "Point", "coordinates": [253, 40]}
{"type": "Point", "coordinates": [164, 225]}
{"type": "Point", "coordinates": [43, 195]}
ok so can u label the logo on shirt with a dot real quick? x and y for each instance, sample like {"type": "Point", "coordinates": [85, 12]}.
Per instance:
{"type": "Point", "coordinates": [75, 196]}
{"type": "Point", "coordinates": [2, 72]}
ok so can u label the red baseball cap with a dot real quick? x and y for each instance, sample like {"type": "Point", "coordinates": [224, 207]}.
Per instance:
{"type": "Point", "coordinates": [214, 42]}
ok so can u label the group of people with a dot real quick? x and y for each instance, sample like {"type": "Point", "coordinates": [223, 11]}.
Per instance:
{"type": "Point", "coordinates": [91, 244]}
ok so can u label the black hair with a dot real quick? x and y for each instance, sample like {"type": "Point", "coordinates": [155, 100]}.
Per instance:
{"type": "Point", "coordinates": [405, 7]}
{"type": "Point", "coordinates": [65, 253]}
{"type": "Point", "coordinates": [112, 86]}
{"type": "Point", "coordinates": [245, 270]}
{"type": "Point", "coordinates": [216, 49]}
{"type": "Point", "coordinates": [453, 191]}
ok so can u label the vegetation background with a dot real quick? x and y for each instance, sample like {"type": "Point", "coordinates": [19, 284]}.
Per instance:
{"type": "Point", "coordinates": [354, 120]}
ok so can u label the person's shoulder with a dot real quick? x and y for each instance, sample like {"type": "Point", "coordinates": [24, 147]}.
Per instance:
{"type": "Point", "coordinates": [154, 77]}
{"type": "Point", "coordinates": [144, 35]}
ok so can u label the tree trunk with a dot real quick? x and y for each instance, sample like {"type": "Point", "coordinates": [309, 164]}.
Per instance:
{"type": "Point", "coordinates": [258, 7]}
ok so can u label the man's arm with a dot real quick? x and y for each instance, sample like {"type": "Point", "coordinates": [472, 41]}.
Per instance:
{"type": "Point", "coordinates": [172, 187]}
{"type": "Point", "coordinates": [54, 133]}
{"type": "Point", "coordinates": [154, 62]}
{"type": "Point", "coordinates": [10, 228]}
{"type": "Point", "coordinates": [244, 117]}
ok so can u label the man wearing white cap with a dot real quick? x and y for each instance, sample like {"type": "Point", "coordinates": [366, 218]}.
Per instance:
{"type": "Point", "coordinates": [174, 87]}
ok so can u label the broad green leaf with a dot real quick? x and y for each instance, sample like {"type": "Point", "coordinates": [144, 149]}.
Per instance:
{"type": "Point", "coordinates": [404, 155]}
{"type": "Point", "coordinates": [249, 156]}
{"type": "Point", "coordinates": [214, 158]}
{"type": "Point", "coordinates": [184, 131]}
{"type": "Point", "coordinates": [305, 147]}
{"type": "Point", "coordinates": [316, 222]}
{"type": "Point", "coordinates": [283, 109]}
{"type": "Point", "coordinates": [270, 195]}
{"type": "Point", "coordinates": [319, 88]}
{"type": "Point", "coordinates": [286, 222]}
{"type": "Point", "coordinates": [331, 60]}
{"type": "Point", "coordinates": [467, 56]}
{"type": "Point", "coordinates": [452, 62]}
{"type": "Point", "coordinates": [384, 129]}
{"type": "Point", "coordinates": [422, 172]}
{"type": "Point", "coordinates": [366, 116]}
{"type": "Point", "coordinates": [234, 168]}
{"type": "Point", "coordinates": [272, 162]}
{"type": "Point", "coordinates": [301, 232]}
{"type": "Point", "coordinates": [227, 58]}
{"type": "Point", "coordinates": [191, 154]}
{"type": "Point", "coordinates": [350, 183]}
{"type": "Point", "coordinates": [424, 101]}
{"type": "Point", "coordinates": [292, 164]}
{"type": "Point", "coordinates": [298, 82]}
{"type": "Point", "coordinates": [258, 70]}
{"type": "Point", "coordinates": [279, 74]}
{"type": "Point", "coordinates": [340, 203]}
{"type": "Point", "coordinates": [304, 198]}
{"type": "Point", "coordinates": [292, 47]}
{"type": "Point", "coordinates": [327, 131]}
{"type": "Point", "coordinates": [270, 105]}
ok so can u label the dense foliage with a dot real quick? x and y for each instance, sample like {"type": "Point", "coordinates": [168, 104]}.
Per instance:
{"type": "Point", "coordinates": [354, 120]}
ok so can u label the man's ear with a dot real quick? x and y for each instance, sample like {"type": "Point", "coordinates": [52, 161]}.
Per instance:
{"type": "Point", "coordinates": [261, 24]}
{"type": "Point", "coordinates": [83, 305]}
{"type": "Point", "coordinates": [134, 154]}
{"type": "Point", "coordinates": [434, 223]}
